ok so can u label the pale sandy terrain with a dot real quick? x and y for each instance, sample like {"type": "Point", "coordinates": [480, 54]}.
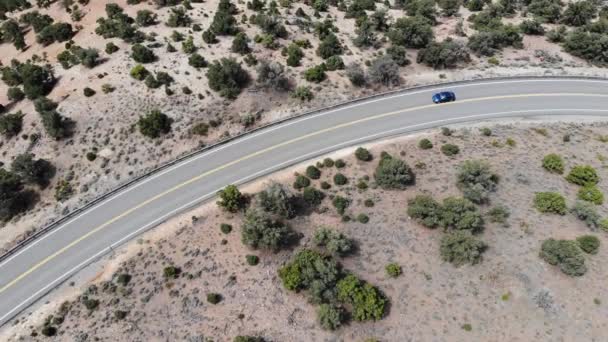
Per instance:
{"type": "Point", "coordinates": [105, 122]}
{"type": "Point", "coordinates": [512, 295]}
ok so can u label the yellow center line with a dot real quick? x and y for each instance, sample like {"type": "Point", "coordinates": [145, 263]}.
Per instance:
{"type": "Point", "coordinates": [260, 152]}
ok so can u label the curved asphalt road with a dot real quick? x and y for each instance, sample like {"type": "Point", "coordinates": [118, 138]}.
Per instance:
{"type": "Point", "coordinates": [44, 263]}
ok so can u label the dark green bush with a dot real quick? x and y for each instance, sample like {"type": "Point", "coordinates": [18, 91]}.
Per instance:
{"type": "Point", "coordinates": [329, 46]}
{"type": "Point", "coordinates": [399, 54]}
{"type": "Point", "coordinates": [88, 92]}
{"type": "Point", "coordinates": [13, 198]}
{"type": "Point", "coordinates": [11, 124]}
{"type": "Point", "coordinates": [334, 63]}
{"type": "Point", "coordinates": [340, 203]}
{"type": "Point", "coordinates": [411, 32]}
{"type": "Point", "coordinates": [315, 74]}
{"type": "Point", "coordinates": [277, 199]}
{"type": "Point", "coordinates": [142, 54]}
{"type": "Point", "coordinates": [252, 260]}
{"type": "Point", "coordinates": [566, 254]}
{"type": "Point", "coordinates": [197, 61]}
{"type": "Point", "coordinates": [363, 154]}
{"type": "Point", "coordinates": [450, 149]}
{"type": "Point", "coordinates": [393, 173]}
{"type": "Point", "coordinates": [15, 94]}
{"type": "Point", "coordinates": [553, 163]}
{"type": "Point", "coordinates": [139, 72]}
{"type": "Point", "coordinates": [240, 44]}
{"type": "Point", "coordinates": [476, 180]}
{"type": "Point", "coordinates": [171, 272]}
{"type": "Point", "coordinates": [231, 199]}
{"type": "Point", "coordinates": [340, 179]}
{"type": "Point", "coordinates": [425, 144]}
{"type": "Point", "coordinates": [590, 46]}
{"type": "Point", "coordinates": [460, 247]}
{"type": "Point", "coordinates": [214, 298]}
{"type": "Point", "coordinates": [336, 243]}
{"type": "Point", "coordinates": [146, 18]}
{"type": "Point", "coordinates": [294, 55]}
{"type": "Point", "coordinates": [123, 279]}
{"type": "Point", "coordinates": [363, 218]}
{"type": "Point", "coordinates": [579, 13]}
{"type": "Point", "coordinates": [498, 214]}
{"type": "Point", "coordinates": [550, 202]}
{"type": "Point", "coordinates": [301, 182]}
{"type": "Point", "coordinates": [154, 124]}
{"type": "Point", "coordinates": [312, 196]}
{"type": "Point", "coordinates": [445, 55]}
{"type": "Point", "coordinates": [461, 214]}
{"type": "Point", "coordinates": [313, 172]}
{"type": "Point", "coordinates": [313, 271]}
{"type": "Point", "coordinates": [339, 163]}
{"type": "Point", "coordinates": [425, 210]}
{"type": "Point", "coordinates": [588, 243]}
{"type": "Point", "coordinates": [227, 77]}
{"type": "Point", "coordinates": [302, 93]}
{"type": "Point", "coordinates": [532, 27]}
{"type": "Point", "coordinates": [225, 228]}
{"type": "Point", "coordinates": [33, 171]}
{"type": "Point", "coordinates": [583, 175]}
{"type": "Point", "coordinates": [260, 231]}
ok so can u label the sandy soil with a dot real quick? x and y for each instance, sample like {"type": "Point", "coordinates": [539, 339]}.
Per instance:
{"type": "Point", "coordinates": [511, 296]}
{"type": "Point", "coordinates": [105, 121]}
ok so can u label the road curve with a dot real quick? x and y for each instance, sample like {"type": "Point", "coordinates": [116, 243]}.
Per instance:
{"type": "Point", "coordinates": [47, 261]}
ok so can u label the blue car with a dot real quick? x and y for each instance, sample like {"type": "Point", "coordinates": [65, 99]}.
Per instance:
{"type": "Point", "coordinates": [444, 96]}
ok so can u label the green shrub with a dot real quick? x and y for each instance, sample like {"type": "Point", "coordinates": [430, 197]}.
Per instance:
{"type": "Point", "coordinates": [532, 27]}
{"type": "Point", "coordinates": [586, 212]}
{"type": "Point", "coordinates": [330, 317]}
{"type": "Point", "coordinates": [393, 173]}
{"type": "Point", "coordinates": [425, 144]}
{"type": "Point", "coordinates": [312, 196]}
{"type": "Point", "coordinates": [411, 32]}
{"type": "Point", "coordinates": [460, 247]}
{"type": "Point", "coordinates": [485, 131]}
{"type": "Point", "coordinates": [363, 154]}
{"type": "Point", "coordinates": [550, 202]}
{"type": "Point", "coordinates": [476, 180]}
{"type": "Point", "coordinates": [120, 314]}
{"type": "Point", "coordinates": [328, 162]}
{"type": "Point", "coordinates": [368, 302]}
{"type": "Point", "coordinates": [461, 214]}
{"type": "Point", "coordinates": [393, 270]}
{"type": "Point", "coordinates": [214, 298]}
{"type": "Point", "coordinates": [363, 218]}
{"type": "Point", "coordinates": [33, 171]}
{"type": "Point", "coordinates": [139, 72]}
{"type": "Point", "coordinates": [260, 231]}
{"type": "Point", "coordinates": [123, 279]}
{"type": "Point", "coordinates": [603, 224]}
{"type": "Point", "coordinates": [63, 190]}
{"type": "Point", "coordinates": [339, 163]}
{"type": "Point", "coordinates": [450, 149]}
{"type": "Point", "coordinates": [329, 46]}
{"type": "Point", "coordinates": [197, 61]}
{"type": "Point", "coordinates": [302, 93]}
{"type": "Point", "coordinates": [142, 54]}
{"type": "Point", "coordinates": [171, 272]}
{"type": "Point", "coordinates": [445, 55]}
{"type": "Point", "coordinates": [252, 260]}
{"type": "Point", "coordinates": [277, 199]}
{"type": "Point", "coordinates": [368, 203]}
{"type": "Point", "coordinates": [48, 331]}
{"type": "Point", "coordinates": [583, 175]}
{"type": "Point", "coordinates": [315, 74]}
{"type": "Point", "coordinates": [91, 304]}
{"type": "Point", "coordinates": [340, 179]}
{"type": "Point", "coordinates": [498, 214]}
{"type": "Point", "coordinates": [227, 77]}
{"type": "Point", "coordinates": [340, 203]}
{"type": "Point", "coordinates": [294, 55]}
{"type": "Point", "coordinates": [385, 71]}
{"type": "Point", "coordinates": [588, 243]}
{"type": "Point", "coordinates": [425, 210]}
{"type": "Point", "coordinates": [240, 44]}
{"type": "Point", "coordinates": [336, 243]}
{"type": "Point", "coordinates": [591, 193]}
{"type": "Point", "coordinates": [15, 94]}
{"type": "Point", "coordinates": [301, 182]}
{"type": "Point", "coordinates": [154, 124]}
{"type": "Point", "coordinates": [579, 13]}
{"type": "Point", "coordinates": [88, 92]}
{"type": "Point", "coordinates": [225, 228]}
{"type": "Point", "coordinates": [334, 63]}
{"type": "Point", "coordinates": [11, 124]}
{"type": "Point", "coordinates": [310, 270]}
{"type": "Point", "coordinates": [553, 163]}
{"type": "Point", "coordinates": [313, 172]}
{"type": "Point", "coordinates": [566, 254]}
{"type": "Point", "coordinates": [231, 199]}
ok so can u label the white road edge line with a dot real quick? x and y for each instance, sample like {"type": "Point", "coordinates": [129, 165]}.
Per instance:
{"type": "Point", "coordinates": [406, 129]}
{"type": "Point", "coordinates": [271, 129]}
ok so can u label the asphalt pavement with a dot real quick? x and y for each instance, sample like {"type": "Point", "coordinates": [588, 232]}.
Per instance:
{"type": "Point", "coordinates": [46, 262]}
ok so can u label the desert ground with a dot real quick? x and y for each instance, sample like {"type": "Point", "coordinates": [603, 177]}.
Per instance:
{"type": "Point", "coordinates": [106, 123]}
{"type": "Point", "coordinates": [511, 295]}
